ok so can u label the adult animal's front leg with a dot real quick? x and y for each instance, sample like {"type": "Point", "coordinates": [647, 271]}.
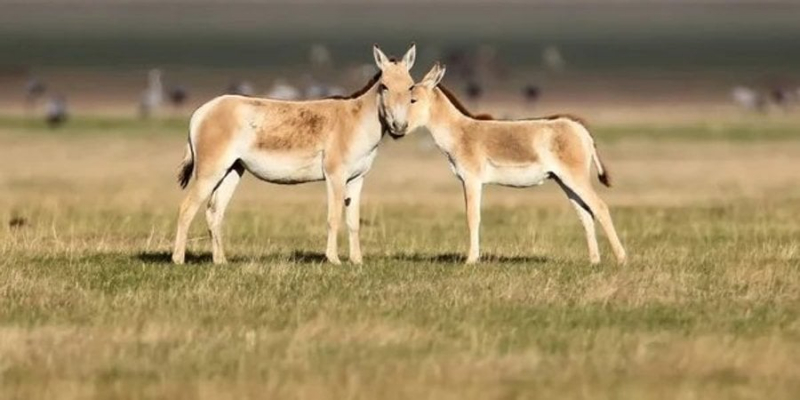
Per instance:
{"type": "Point", "coordinates": [336, 189]}
{"type": "Point", "coordinates": [352, 204]}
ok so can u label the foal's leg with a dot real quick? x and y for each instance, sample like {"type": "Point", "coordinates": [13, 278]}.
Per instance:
{"type": "Point", "coordinates": [215, 212]}
{"type": "Point", "coordinates": [588, 199]}
{"type": "Point", "coordinates": [588, 226]}
{"type": "Point", "coordinates": [587, 219]}
{"type": "Point", "coordinates": [352, 203]}
{"type": "Point", "coordinates": [336, 187]}
{"type": "Point", "coordinates": [472, 196]}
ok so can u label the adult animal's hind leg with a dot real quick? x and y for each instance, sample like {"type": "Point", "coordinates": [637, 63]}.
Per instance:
{"type": "Point", "coordinates": [199, 191]}
{"type": "Point", "coordinates": [215, 212]}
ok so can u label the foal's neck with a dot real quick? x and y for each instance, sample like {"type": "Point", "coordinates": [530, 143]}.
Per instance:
{"type": "Point", "coordinates": [446, 123]}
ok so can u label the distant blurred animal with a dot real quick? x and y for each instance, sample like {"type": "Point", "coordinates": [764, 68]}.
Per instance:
{"type": "Point", "coordinates": [319, 56]}
{"type": "Point", "coordinates": [56, 111]}
{"type": "Point", "coordinates": [782, 97]}
{"type": "Point", "coordinates": [314, 89]}
{"type": "Point", "coordinates": [289, 143]}
{"type": "Point", "coordinates": [461, 62]}
{"type": "Point", "coordinates": [320, 90]}
{"type": "Point", "coordinates": [552, 58]}
{"type": "Point", "coordinates": [363, 72]}
{"type": "Point", "coordinates": [335, 91]}
{"type": "Point", "coordinates": [282, 90]}
{"type": "Point", "coordinates": [474, 92]}
{"type": "Point", "coordinates": [153, 94]}
{"type": "Point", "coordinates": [749, 99]}
{"type": "Point", "coordinates": [531, 93]}
{"type": "Point", "coordinates": [34, 90]}
{"type": "Point", "coordinates": [178, 95]}
{"type": "Point", "coordinates": [241, 88]}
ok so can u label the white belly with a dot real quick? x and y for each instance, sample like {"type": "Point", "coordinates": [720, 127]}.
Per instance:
{"type": "Point", "coordinates": [285, 168]}
{"type": "Point", "coordinates": [516, 176]}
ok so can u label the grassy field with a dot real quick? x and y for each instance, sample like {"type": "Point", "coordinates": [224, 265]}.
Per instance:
{"type": "Point", "coordinates": [708, 306]}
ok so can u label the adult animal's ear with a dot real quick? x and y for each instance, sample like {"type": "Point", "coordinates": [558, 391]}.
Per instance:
{"type": "Point", "coordinates": [380, 59]}
{"type": "Point", "coordinates": [410, 57]}
{"type": "Point", "coordinates": [434, 76]}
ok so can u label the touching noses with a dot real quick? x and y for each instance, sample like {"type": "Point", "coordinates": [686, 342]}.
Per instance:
{"type": "Point", "coordinates": [395, 111]}
{"type": "Point", "coordinates": [399, 127]}
{"type": "Point", "coordinates": [399, 121]}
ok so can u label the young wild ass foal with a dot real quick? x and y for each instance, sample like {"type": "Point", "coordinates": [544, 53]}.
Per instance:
{"type": "Point", "coordinates": [513, 153]}
{"type": "Point", "coordinates": [289, 142]}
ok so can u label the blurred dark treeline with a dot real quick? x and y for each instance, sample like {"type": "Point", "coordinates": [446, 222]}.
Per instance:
{"type": "Point", "coordinates": [592, 37]}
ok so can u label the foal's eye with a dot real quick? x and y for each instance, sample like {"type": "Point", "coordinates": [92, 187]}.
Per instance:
{"type": "Point", "coordinates": [413, 101]}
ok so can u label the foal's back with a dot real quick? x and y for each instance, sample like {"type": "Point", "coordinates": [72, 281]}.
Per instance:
{"type": "Point", "coordinates": [526, 142]}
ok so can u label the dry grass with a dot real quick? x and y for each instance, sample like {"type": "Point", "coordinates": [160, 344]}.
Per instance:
{"type": "Point", "coordinates": [89, 306]}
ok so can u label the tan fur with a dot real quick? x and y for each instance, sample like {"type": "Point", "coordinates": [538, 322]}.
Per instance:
{"type": "Point", "coordinates": [292, 142]}
{"type": "Point", "coordinates": [296, 128]}
{"type": "Point", "coordinates": [219, 128]}
{"type": "Point", "coordinates": [506, 145]}
{"type": "Point", "coordinates": [513, 153]}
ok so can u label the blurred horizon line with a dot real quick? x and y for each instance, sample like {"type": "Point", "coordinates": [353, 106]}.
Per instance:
{"type": "Point", "coordinates": [549, 3]}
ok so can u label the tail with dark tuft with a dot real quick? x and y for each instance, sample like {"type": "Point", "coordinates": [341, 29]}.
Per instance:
{"type": "Point", "coordinates": [602, 171]}
{"type": "Point", "coordinates": [605, 179]}
{"type": "Point", "coordinates": [187, 167]}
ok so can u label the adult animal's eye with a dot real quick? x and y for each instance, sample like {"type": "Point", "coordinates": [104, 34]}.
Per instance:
{"type": "Point", "coordinates": [413, 101]}
{"type": "Point", "coordinates": [382, 88]}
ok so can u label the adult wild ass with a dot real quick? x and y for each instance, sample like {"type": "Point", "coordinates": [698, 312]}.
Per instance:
{"type": "Point", "coordinates": [290, 142]}
{"type": "Point", "coordinates": [513, 153]}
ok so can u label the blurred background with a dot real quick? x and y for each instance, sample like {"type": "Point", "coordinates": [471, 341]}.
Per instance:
{"type": "Point", "coordinates": [617, 61]}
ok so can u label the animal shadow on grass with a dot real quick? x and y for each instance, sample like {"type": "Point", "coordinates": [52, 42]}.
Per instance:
{"type": "Point", "coordinates": [298, 256]}
{"type": "Point", "coordinates": [460, 258]}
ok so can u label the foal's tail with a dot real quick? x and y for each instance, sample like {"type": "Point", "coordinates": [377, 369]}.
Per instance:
{"type": "Point", "coordinates": [187, 165]}
{"type": "Point", "coordinates": [602, 172]}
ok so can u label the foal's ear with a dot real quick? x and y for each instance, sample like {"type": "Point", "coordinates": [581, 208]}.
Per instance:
{"type": "Point", "coordinates": [410, 56]}
{"type": "Point", "coordinates": [434, 76]}
{"type": "Point", "coordinates": [380, 59]}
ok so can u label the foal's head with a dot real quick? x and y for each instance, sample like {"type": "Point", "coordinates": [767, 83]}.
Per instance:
{"type": "Point", "coordinates": [419, 113]}
{"type": "Point", "coordinates": [394, 90]}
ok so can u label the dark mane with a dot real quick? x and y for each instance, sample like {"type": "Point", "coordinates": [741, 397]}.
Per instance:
{"type": "Point", "coordinates": [457, 103]}
{"type": "Point", "coordinates": [487, 117]}
{"type": "Point", "coordinates": [361, 91]}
